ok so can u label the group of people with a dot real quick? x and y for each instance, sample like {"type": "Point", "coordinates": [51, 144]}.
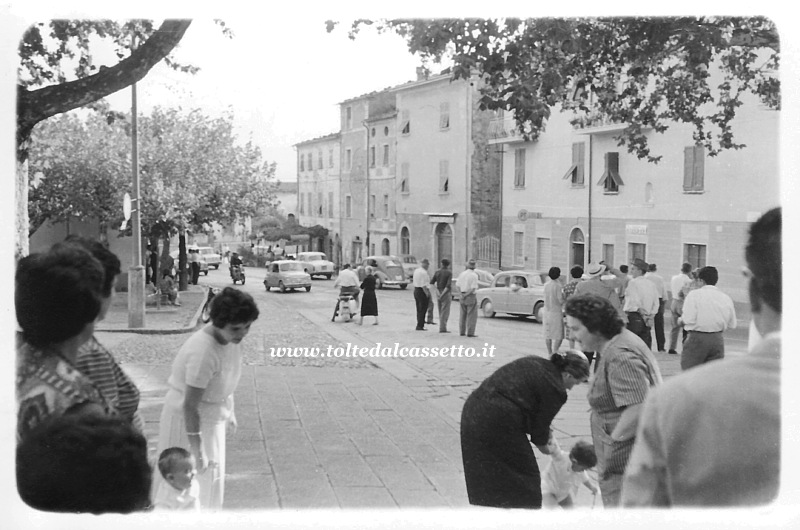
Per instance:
{"type": "Point", "coordinates": [80, 446]}
{"type": "Point", "coordinates": [349, 284]}
{"type": "Point", "coordinates": [706, 437]}
{"type": "Point", "coordinates": [439, 287]}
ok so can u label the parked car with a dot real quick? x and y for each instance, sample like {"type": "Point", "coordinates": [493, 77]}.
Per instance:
{"type": "Point", "coordinates": [409, 263]}
{"type": "Point", "coordinates": [285, 275]}
{"type": "Point", "coordinates": [212, 258]}
{"type": "Point", "coordinates": [387, 269]}
{"type": "Point", "coordinates": [316, 264]}
{"type": "Point", "coordinates": [518, 293]}
{"type": "Point", "coordinates": [203, 262]}
{"type": "Point", "coordinates": [484, 280]}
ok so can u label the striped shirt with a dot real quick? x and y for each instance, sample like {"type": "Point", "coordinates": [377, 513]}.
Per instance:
{"type": "Point", "coordinates": [97, 363]}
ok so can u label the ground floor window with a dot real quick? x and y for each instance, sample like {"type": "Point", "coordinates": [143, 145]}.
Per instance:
{"type": "Point", "coordinates": [694, 254]}
{"type": "Point", "coordinates": [608, 254]}
{"type": "Point", "coordinates": [637, 250]}
{"type": "Point", "coordinates": [405, 241]}
{"type": "Point", "coordinates": [518, 247]}
{"type": "Point", "coordinates": [543, 253]}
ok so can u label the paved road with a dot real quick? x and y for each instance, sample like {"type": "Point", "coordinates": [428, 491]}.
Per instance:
{"type": "Point", "coordinates": [351, 432]}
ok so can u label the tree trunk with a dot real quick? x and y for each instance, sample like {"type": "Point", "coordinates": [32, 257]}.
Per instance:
{"type": "Point", "coordinates": [183, 283]}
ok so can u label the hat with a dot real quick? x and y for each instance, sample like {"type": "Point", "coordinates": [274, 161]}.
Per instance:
{"type": "Point", "coordinates": [471, 261]}
{"type": "Point", "coordinates": [594, 270]}
{"type": "Point", "coordinates": [641, 264]}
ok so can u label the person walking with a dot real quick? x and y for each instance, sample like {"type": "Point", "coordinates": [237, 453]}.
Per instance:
{"type": "Point", "coordinates": [626, 371]}
{"type": "Point", "coordinates": [369, 302]}
{"type": "Point", "coordinates": [421, 281]}
{"type": "Point", "coordinates": [511, 409]}
{"type": "Point", "coordinates": [641, 302]}
{"type": "Point", "coordinates": [677, 285]}
{"type": "Point", "coordinates": [711, 437]}
{"type": "Point", "coordinates": [553, 311]}
{"type": "Point", "coordinates": [442, 279]}
{"type": "Point", "coordinates": [707, 313]}
{"type": "Point", "coordinates": [575, 273]}
{"type": "Point", "coordinates": [199, 404]}
{"type": "Point", "coordinates": [467, 283]}
{"type": "Point", "coordinates": [658, 319]}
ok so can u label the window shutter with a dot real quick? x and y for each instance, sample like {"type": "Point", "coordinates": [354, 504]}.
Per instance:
{"type": "Point", "coordinates": [578, 154]}
{"type": "Point", "coordinates": [699, 167]}
{"type": "Point", "coordinates": [688, 168]}
{"type": "Point", "coordinates": [519, 168]}
{"type": "Point", "coordinates": [444, 170]}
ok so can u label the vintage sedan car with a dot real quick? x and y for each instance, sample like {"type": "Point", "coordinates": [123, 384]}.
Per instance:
{"type": "Point", "coordinates": [387, 269]}
{"type": "Point", "coordinates": [409, 263]}
{"type": "Point", "coordinates": [316, 264]}
{"type": "Point", "coordinates": [209, 256]}
{"type": "Point", "coordinates": [287, 275]}
{"type": "Point", "coordinates": [519, 293]}
{"type": "Point", "coordinates": [484, 280]}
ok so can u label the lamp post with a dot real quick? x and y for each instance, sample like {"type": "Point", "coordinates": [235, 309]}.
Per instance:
{"type": "Point", "coordinates": [136, 271]}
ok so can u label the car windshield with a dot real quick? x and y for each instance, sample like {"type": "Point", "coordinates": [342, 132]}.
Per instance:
{"type": "Point", "coordinates": [315, 257]}
{"type": "Point", "coordinates": [291, 267]}
{"type": "Point", "coordinates": [391, 263]}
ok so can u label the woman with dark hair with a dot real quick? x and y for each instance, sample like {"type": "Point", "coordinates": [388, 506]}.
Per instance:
{"type": "Point", "coordinates": [199, 403]}
{"type": "Point", "coordinates": [94, 360]}
{"type": "Point", "coordinates": [58, 298]}
{"type": "Point", "coordinates": [624, 374]}
{"type": "Point", "coordinates": [517, 401]}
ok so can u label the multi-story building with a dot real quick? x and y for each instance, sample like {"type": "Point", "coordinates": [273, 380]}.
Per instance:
{"type": "Point", "coordinates": [447, 178]}
{"type": "Point", "coordinates": [381, 188]}
{"type": "Point", "coordinates": [575, 196]}
{"type": "Point", "coordinates": [318, 186]}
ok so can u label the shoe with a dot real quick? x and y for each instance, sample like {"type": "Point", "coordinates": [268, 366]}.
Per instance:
{"type": "Point", "coordinates": [445, 331]}
{"type": "Point", "coordinates": [471, 335]}
{"type": "Point", "coordinates": [430, 323]}
{"type": "Point", "coordinates": [461, 334]}
{"type": "Point", "coordinates": [672, 352]}
{"type": "Point", "coordinates": [421, 329]}
{"type": "Point", "coordinates": [333, 320]}
{"type": "Point", "coordinates": [662, 351]}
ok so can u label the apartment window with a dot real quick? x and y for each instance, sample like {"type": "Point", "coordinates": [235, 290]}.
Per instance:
{"type": "Point", "coordinates": [694, 254]}
{"type": "Point", "coordinates": [310, 161]}
{"type": "Point", "coordinates": [519, 168]}
{"type": "Point", "coordinates": [693, 168]}
{"type": "Point", "coordinates": [405, 241]}
{"type": "Point", "coordinates": [302, 163]}
{"type": "Point", "coordinates": [372, 156]}
{"type": "Point", "coordinates": [348, 206]}
{"type": "Point", "coordinates": [444, 115]}
{"type": "Point", "coordinates": [330, 204]}
{"type": "Point", "coordinates": [385, 155]}
{"type": "Point", "coordinates": [386, 131]}
{"type": "Point", "coordinates": [444, 176]}
{"type": "Point", "coordinates": [372, 206]}
{"type": "Point", "coordinates": [610, 180]}
{"type": "Point", "coordinates": [608, 253]}
{"type": "Point", "coordinates": [637, 251]}
{"type": "Point", "coordinates": [310, 205]}
{"type": "Point", "coordinates": [348, 118]}
{"type": "Point", "coordinates": [404, 177]}
{"type": "Point", "coordinates": [302, 202]}
{"type": "Point", "coordinates": [319, 159]}
{"type": "Point", "coordinates": [575, 171]}
{"type": "Point", "coordinates": [348, 157]}
{"type": "Point", "coordinates": [519, 238]}
{"type": "Point", "coordinates": [330, 158]}
{"type": "Point", "coordinates": [405, 122]}
{"type": "Point", "coordinates": [319, 204]}
{"type": "Point", "coordinates": [386, 206]}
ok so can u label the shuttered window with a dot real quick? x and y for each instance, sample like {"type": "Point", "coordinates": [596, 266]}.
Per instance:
{"type": "Point", "coordinates": [519, 168]}
{"type": "Point", "coordinates": [444, 115]}
{"type": "Point", "coordinates": [404, 184]}
{"type": "Point", "coordinates": [405, 117]}
{"type": "Point", "coordinates": [610, 180]}
{"type": "Point", "coordinates": [444, 176]}
{"type": "Point", "coordinates": [694, 168]}
{"type": "Point", "coordinates": [576, 170]}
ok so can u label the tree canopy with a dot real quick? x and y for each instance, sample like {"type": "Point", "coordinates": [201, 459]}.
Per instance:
{"type": "Point", "coordinates": [644, 72]}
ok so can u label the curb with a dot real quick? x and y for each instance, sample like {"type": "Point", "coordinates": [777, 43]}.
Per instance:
{"type": "Point", "coordinates": [162, 331]}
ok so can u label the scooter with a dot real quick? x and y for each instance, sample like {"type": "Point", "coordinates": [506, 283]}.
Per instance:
{"type": "Point", "coordinates": [237, 274]}
{"type": "Point", "coordinates": [347, 307]}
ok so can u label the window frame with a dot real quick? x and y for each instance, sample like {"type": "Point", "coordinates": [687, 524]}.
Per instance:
{"type": "Point", "coordinates": [444, 115]}
{"type": "Point", "coordinates": [519, 168]}
{"type": "Point", "coordinates": [577, 171]}
{"type": "Point", "coordinates": [444, 176]}
{"type": "Point", "coordinates": [348, 206]}
{"type": "Point", "coordinates": [694, 157]}
{"type": "Point", "coordinates": [611, 179]}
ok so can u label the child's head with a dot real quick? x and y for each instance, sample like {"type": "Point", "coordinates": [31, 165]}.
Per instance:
{"type": "Point", "coordinates": [177, 466]}
{"type": "Point", "coordinates": [582, 456]}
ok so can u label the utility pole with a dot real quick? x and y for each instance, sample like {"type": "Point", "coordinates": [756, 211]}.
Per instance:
{"type": "Point", "coordinates": [136, 271]}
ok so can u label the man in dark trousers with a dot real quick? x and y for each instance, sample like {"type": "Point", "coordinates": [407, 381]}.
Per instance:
{"type": "Point", "coordinates": [442, 279]}
{"type": "Point", "coordinates": [658, 320]}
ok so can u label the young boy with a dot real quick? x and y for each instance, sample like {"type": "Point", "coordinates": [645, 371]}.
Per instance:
{"type": "Point", "coordinates": [177, 466]}
{"type": "Point", "coordinates": [565, 472]}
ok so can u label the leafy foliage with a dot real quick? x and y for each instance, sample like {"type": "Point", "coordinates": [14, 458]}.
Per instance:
{"type": "Point", "coordinates": [644, 72]}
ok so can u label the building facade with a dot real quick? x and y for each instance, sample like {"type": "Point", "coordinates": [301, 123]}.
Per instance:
{"type": "Point", "coordinates": [318, 187]}
{"type": "Point", "coordinates": [381, 186]}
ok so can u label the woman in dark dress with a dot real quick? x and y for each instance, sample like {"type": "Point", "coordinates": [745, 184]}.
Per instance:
{"type": "Point", "coordinates": [519, 400]}
{"type": "Point", "coordinates": [369, 302]}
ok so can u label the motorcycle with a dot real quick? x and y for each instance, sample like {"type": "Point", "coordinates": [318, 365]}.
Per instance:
{"type": "Point", "coordinates": [237, 274]}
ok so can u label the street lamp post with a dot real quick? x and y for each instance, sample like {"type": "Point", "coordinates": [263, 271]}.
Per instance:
{"type": "Point", "coordinates": [136, 271]}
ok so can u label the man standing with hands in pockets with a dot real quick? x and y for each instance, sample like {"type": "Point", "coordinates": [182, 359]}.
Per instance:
{"type": "Point", "coordinates": [421, 281]}
{"type": "Point", "coordinates": [468, 283]}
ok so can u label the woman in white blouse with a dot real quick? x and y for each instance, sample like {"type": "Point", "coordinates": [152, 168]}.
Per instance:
{"type": "Point", "coordinates": [199, 404]}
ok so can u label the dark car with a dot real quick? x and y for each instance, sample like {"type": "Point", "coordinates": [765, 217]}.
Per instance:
{"type": "Point", "coordinates": [388, 270]}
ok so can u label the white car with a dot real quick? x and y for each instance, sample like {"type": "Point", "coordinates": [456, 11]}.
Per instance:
{"type": "Point", "coordinates": [315, 264]}
{"type": "Point", "coordinates": [212, 258]}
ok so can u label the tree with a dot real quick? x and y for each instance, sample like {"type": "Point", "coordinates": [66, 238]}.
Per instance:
{"type": "Point", "coordinates": [57, 75]}
{"type": "Point", "coordinates": [644, 72]}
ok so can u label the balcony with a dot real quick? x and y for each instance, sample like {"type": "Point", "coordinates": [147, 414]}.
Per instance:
{"type": "Point", "coordinates": [595, 123]}
{"type": "Point", "coordinates": [503, 130]}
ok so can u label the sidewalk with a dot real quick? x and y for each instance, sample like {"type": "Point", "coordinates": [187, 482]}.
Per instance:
{"type": "Point", "coordinates": [164, 320]}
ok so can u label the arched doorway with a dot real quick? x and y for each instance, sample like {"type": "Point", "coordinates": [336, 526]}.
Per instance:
{"type": "Point", "coordinates": [444, 243]}
{"type": "Point", "coordinates": [576, 248]}
{"type": "Point", "coordinates": [405, 241]}
{"type": "Point", "coordinates": [385, 247]}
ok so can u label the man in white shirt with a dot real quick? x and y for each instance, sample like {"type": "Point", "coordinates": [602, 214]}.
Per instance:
{"type": "Point", "coordinates": [707, 313]}
{"type": "Point", "coordinates": [421, 281]}
{"type": "Point", "coordinates": [658, 319]}
{"type": "Point", "coordinates": [347, 281]}
{"type": "Point", "coordinates": [641, 302]}
{"type": "Point", "coordinates": [468, 283]}
{"type": "Point", "coordinates": [676, 285]}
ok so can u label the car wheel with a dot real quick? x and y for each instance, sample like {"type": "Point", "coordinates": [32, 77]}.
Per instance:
{"type": "Point", "coordinates": [538, 312]}
{"type": "Point", "coordinates": [379, 283]}
{"type": "Point", "coordinates": [487, 309]}
{"type": "Point", "coordinates": [243, 278]}
{"type": "Point", "coordinates": [216, 268]}
{"type": "Point", "coordinates": [328, 276]}
{"type": "Point", "coordinates": [281, 287]}
{"type": "Point", "coordinates": [267, 286]}
{"type": "Point", "coordinates": [205, 273]}
{"type": "Point", "coordinates": [403, 286]}
{"type": "Point", "coordinates": [308, 288]}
